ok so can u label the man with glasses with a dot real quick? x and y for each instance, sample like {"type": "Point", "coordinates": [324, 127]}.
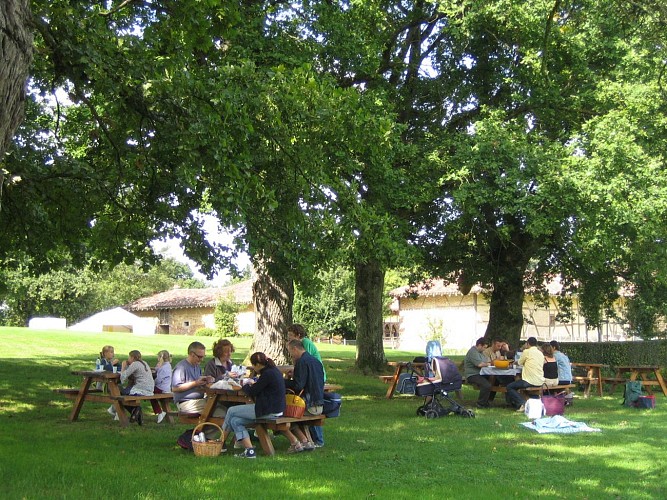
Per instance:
{"type": "Point", "coordinates": [187, 382]}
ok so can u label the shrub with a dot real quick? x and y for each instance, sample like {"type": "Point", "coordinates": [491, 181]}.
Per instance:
{"type": "Point", "coordinates": [206, 332]}
{"type": "Point", "coordinates": [225, 313]}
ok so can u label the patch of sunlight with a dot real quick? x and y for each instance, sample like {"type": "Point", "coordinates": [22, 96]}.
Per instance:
{"type": "Point", "coordinates": [12, 406]}
{"type": "Point", "coordinates": [587, 482]}
{"type": "Point", "coordinates": [271, 474]}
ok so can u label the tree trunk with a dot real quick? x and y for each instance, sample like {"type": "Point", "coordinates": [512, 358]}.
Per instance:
{"type": "Point", "coordinates": [369, 287]}
{"type": "Point", "coordinates": [273, 298]}
{"type": "Point", "coordinates": [15, 57]}
{"type": "Point", "coordinates": [506, 308]}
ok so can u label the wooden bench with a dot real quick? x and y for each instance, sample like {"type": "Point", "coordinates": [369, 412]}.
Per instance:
{"type": "Point", "coordinates": [526, 391]}
{"type": "Point", "coordinates": [386, 378]}
{"type": "Point", "coordinates": [94, 395]}
{"type": "Point", "coordinates": [195, 419]}
{"type": "Point", "coordinates": [614, 381]}
{"type": "Point", "coordinates": [282, 424]}
{"type": "Point", "coordinates": [163, 399]}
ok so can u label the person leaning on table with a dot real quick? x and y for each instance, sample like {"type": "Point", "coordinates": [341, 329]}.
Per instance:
{"type": "Point", "coordinates": [473, 362]}
{"type": "Point", "coordinates": [187, 382]}
{"type": "Point", "coordinates": [269, 395]}
{"type": "Point", "coordinates": [532, 375]}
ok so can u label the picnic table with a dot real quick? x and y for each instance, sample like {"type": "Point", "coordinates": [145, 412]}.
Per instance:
{"type": "Point", "coordinates": [112, 396]}
{"type": "Point", "coordinates": [593, 376]}
{"type": "Point", "coordinates": [215, 396]}
{"type": "Point", "coordinates": [392, 380]}
{"type": "Point", "coordinates": [645, 372]}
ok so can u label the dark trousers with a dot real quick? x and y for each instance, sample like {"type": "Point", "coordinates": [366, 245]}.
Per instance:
{"type": "Point", "coordinates": [513, 396]}
{"type": "Point", "coordinates": [484, 388]}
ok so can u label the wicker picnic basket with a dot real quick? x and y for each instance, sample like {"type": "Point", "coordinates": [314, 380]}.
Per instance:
{"type": "Point", "coordinates": [295, 406]}
{"type": "Point", "coordinates": [211, 448]}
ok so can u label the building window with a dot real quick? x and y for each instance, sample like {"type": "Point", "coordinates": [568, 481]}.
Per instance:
{"type": "Point", "coordinates": [186, 323]}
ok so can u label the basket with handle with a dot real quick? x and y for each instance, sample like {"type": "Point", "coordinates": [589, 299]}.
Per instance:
{"type": "Point", "coordinates": [295, 406]}
{"type": "Point", "coordinates": [211, 448]}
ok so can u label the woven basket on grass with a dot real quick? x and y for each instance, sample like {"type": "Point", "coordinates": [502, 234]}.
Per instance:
{"type": "Point", "coordinates": [211, 448]}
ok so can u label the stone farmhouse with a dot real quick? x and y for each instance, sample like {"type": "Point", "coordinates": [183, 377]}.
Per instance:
{"type": "Point", "coordinates": [185, 310]}
{"type": "Point", "coordinates": [441, 312]}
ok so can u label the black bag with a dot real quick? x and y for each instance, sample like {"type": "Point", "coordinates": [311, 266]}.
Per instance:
{"type": "Point", "coordinates": [185, 440]}
{"type": "Point", "coordinates": [332, 403]}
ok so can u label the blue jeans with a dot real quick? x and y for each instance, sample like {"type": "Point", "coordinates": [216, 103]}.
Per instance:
{"type": "Point", "coordinates": [237, 418]}
{"type": "Point", "coordinates": [317, 434]}
{"type": "Point", "coordinates": [513, 396]}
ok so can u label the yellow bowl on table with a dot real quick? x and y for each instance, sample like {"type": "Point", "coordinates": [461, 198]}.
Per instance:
{"type": "Point", "coordinates": [503, 364]}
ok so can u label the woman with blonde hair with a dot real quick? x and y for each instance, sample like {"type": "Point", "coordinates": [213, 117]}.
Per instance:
{"type": "Point", "coordinates": [162, 381]}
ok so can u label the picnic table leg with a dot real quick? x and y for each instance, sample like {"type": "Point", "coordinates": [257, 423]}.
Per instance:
{"type": "Point", "coordinates": [599, 376]}
{"type": "Point", "coordinates": [211, 402]}
{"type": "Point", "coordinates": [587, 383]}
{"type": "Point", "coordinates": [394, 381]}
{"type": "Point", "coordinates": [264, 440]}
{"type": "Point", "coordinates": [81, 397]}
{"type": "Point", "coordinates": [659, 378]}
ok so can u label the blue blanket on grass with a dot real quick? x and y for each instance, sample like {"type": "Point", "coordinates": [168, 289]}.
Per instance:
{"type": "Point", "coordinates": [557, 425]}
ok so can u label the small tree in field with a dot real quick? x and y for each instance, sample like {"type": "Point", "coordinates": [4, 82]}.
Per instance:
{"type": "Point", "coordinates": [226, 324]}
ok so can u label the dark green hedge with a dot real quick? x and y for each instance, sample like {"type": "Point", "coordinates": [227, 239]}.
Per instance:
{"type": "Point", "coordinates": [647, 352]}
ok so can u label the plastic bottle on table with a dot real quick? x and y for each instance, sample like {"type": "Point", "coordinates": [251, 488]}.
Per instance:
{"type": "Point", "coordinates": [98, 365]}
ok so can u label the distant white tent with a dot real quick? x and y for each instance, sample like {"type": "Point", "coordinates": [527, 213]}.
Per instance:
{"type": "Point", "coordinates": [115, 320]}
{"type": "Point", "coordinates": [47, 323]}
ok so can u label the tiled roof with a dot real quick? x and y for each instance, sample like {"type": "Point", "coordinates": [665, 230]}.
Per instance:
{"type": "Point", "coordinates": [180, 298]}
{"type": "Point", "coordinates": [432, 288]}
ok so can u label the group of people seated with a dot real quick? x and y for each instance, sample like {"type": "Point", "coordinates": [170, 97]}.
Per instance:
{"type": "Point", "coordinates": [139, 379]}
{"type": "Point", "coordinates": [268, 387]}
{"type": "Point", "coordinates": [541, 365]}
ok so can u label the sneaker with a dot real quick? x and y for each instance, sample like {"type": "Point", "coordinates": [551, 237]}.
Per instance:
{"type": "Point", "coordinates": [247, 453]}
{"type": "Point", "coordinates": [238, 445]}
{"type": "Point", "coordinates": [116, 417]}
{"type": "Point", "coordinates": [160, 417]}
{"type": "Point", "coordinates": [318, 445]}
{"type": "Point", "coordinates": [224, 449]}
{"type": "Point", "coordinates": [521, 409]}
{"type": "Point", "coordinates": [308, 446]}
{"type": "Point", "coordinates": [111, 410]}
{"type": "Point", "coordinates": [483, 405]}
{"type": "Point", "coordinates": [295, 448]}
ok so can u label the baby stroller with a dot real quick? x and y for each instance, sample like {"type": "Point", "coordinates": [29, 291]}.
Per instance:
{"type": "Point", "coordinates": [436, 390]}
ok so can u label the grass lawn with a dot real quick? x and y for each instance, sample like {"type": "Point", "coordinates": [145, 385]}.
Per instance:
{"type": "Point", "coordinates": [377, 448]}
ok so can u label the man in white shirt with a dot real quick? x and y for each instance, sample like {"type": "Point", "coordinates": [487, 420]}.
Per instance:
{"type": "Point", "coordinates": [532, 375]}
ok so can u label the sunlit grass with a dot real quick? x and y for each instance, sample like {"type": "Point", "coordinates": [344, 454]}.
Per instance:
{"type": "Point", "coordinates": [378, 448]}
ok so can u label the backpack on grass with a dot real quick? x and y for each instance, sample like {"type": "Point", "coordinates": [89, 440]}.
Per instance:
{"type": "Point", "coordinates": [185, 440]}
{"type": "Point", "coordinates": [632, 393]}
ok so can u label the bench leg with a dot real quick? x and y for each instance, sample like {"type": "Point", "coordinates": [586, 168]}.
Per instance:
{"type": "Point", "coordinates": [265, 440]}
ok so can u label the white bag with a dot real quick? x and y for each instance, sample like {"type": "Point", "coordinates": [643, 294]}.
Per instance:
{"type": "Point", "coordinates": [534, 409]}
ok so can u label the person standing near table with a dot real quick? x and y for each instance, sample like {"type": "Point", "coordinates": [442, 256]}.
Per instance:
{"type": "Point", "coordinates": [298, 332]}
{"type": "Point", "coordinates": [564, 365]}
{"type": "Point", "coordinates": [532, 361]}
{"type": "Point", "coordinates": [188, 383]}
{"type": "Point", "coordinates": [473, 362]}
